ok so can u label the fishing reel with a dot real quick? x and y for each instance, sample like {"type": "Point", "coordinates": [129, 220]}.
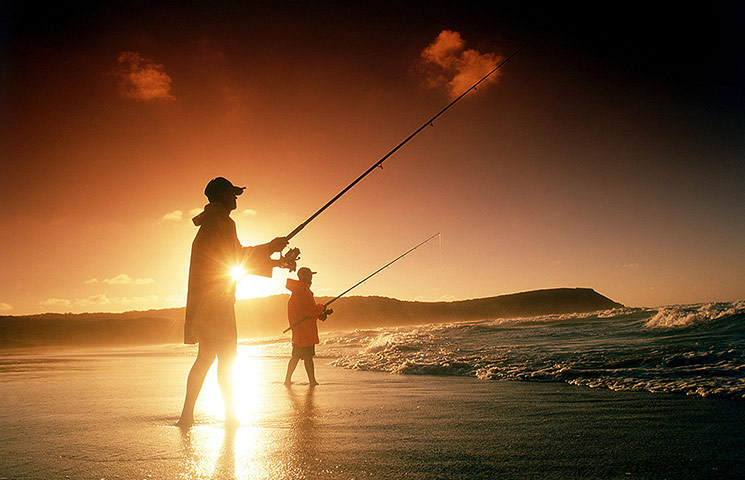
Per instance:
{"type": "Point", "coordinates": [322, 317]}
{"type": "Point", "coordinates": [289, 259]}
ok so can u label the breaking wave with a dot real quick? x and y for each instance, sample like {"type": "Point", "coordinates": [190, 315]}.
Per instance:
{"type": "Point", "coordinates": [684, 349]}
{"type": "Point", "coordinates": [688, 315]}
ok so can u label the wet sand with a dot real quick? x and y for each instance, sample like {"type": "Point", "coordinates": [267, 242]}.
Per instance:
{"type": "Point", "coordinates": [111, 414]}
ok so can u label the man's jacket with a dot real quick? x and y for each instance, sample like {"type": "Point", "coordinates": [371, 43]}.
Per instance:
{"type": "Point", "coordinates": [216, 250]}
{"type": "Point", "coordinates": [302, 304]}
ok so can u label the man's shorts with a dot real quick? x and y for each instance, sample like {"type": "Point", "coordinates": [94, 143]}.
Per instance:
{"type": "Point", "coordinates": [225, 348]}
{"type": "Point", "coordinates": [303, 353]}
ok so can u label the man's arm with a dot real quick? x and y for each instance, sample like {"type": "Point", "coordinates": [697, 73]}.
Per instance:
{"type": "Point", "coordinates": [308, 307]}
{"type": "Point", "coordinates": [257, 261]}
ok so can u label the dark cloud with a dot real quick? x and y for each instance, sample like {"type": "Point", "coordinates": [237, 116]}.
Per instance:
{"type": "Point", "coordinates": [143, 79]}
{"type": "Point", "coordinates": [447, 62]}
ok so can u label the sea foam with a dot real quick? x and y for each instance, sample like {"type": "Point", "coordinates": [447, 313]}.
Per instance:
{"type": "Point", "coordinates": [688, 315]}
{"type": "Point", "coordinates": [685, 349]}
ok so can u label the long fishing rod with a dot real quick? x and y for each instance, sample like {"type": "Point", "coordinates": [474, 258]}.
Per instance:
{"type": "Point", "coordinates": [325, 305]}
{"type": "Point", "coordinates": [379, 163]}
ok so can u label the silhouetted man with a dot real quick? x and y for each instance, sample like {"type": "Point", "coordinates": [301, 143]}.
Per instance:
{"type": "Point", "coordinates": [210, 302]}
{"type": "Point", "coordinates": [302, 313]}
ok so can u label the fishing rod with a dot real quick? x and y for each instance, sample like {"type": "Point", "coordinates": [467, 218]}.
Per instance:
{"type": "Point", "coordinates": [325, 305]}
{"type": "Point", "coordinates": [379, 163]}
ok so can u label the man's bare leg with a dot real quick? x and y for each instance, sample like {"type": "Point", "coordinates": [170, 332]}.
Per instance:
{"type": "Point", "coordinates": [311, 371]}
{"type": "Point", "coordinates": [205, 358]}
{"type": "Point", "coordinates": [290, 369]}
{"type": "Point", "coordinates": [225, 362]}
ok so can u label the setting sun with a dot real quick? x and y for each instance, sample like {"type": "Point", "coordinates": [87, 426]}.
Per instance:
{"type": "Point", "coordinates": [237, 273]}
{"type": "Point", "coordinates": [253, 286]}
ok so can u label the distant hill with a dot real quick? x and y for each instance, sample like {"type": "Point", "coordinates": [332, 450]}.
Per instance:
{"type": "Point", "coordinates": [262, 317]}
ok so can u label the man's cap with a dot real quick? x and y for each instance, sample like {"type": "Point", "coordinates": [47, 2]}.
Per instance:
{"type": "Point", "coordinates": [221, 184]}
{"type": "Point", "coordinates": [305, 271]}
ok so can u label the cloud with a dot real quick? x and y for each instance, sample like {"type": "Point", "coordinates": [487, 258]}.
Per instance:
{"type": "Point", "coordinates": [174, 216]}
{"type": "Point", "coordinates": [56, 302]}
{"type": "Point", "coordinates": [176, 298]}
{"type": "Point", "coordinates": [446, 62]}
{"type": "Point", "coordinates": [249, 212]}
{"type": "Point", "coordinates": [124, 279]}
{"type": "Point", "coordinates": [99, 300]}
{"type": "Point", "coordinates": [103, 299]}
{"type": "Point", "coordinates": [91, 281]}
{"type": "Point", "coordinates": [147, 299]}
{"type": "Point", "coordinates": [4, 307]}
{"type": "Point", "coordinates": [142, 79]}
{"type": "Point", "coordinates": [178, 216]}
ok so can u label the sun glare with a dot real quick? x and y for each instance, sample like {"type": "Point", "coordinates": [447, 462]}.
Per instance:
{"type": "Point", "coordinates": [237, 273]}
{"type": "Point", "coordinates": [252, 286]}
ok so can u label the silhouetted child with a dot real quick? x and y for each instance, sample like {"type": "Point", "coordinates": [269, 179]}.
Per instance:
{"type": "Point", "coordinates": [303, 313]}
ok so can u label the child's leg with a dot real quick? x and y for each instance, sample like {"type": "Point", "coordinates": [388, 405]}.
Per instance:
{"type": "Point", "coordinates": [290, 369]}
{"type": "Point", "coordinates": [310, 369]}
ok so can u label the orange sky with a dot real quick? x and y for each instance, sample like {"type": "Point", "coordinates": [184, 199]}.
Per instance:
{"type": "Point", "coordinates": [599, 159]}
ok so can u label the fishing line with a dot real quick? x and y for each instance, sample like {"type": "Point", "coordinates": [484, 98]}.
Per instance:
{"type": "Point", "coordinates": [364, 280]}
{"type": "Point", "coordinates": [444, 281]}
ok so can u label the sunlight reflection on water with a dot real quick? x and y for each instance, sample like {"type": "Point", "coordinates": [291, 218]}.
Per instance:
{"type": "Point", "coordinates": [249, 383]}
{"type": "Point", "coordinates": [211, 451]}
{"type": "Point", "coordinates": [251, 450]}
{"type": "Point", "coordinates": [121, 420]}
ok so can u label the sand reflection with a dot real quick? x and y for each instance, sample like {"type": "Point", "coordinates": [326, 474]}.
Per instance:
{"type": "Point", "coordinates": [253, 449]}
{"type": "Point", "coordinates": [225, 465]}
{"type": "Point", "coordinates": [302, 437]}
{"type": "Point", "coordinates": [202, 446]}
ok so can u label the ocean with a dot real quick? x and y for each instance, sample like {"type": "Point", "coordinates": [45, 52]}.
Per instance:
{"type": "Point", "coordinates": [682, 349]}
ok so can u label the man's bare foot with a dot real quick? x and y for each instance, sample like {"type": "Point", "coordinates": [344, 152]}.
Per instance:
{"type": "Point", "coordinates": [288, 383]}
{"type": "Point", "coordinates": [185, 422]}
{"type": "Point", "coordinates": [313, 384]}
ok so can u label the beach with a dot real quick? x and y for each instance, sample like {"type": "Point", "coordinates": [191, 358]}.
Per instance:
{"type": "Point", "coordinates": [110, 413]}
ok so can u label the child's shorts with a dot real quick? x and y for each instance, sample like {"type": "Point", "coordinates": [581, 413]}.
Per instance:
{"type": "Point", "coordinates": [303, 353]}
